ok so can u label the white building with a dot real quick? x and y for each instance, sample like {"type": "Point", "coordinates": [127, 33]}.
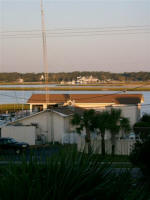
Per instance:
{"type": "Point", "coordinates": [42, 127]}
{"type": "Point", "coordinates": [20, 80]}
{"type": "Point", "coordinates": [130, 104]}
{"type": "Point", "coordinates": [42, 78]}
{"type": "Point", "coordinates": [87, 79]}
{"type": "Point", "coordinates": [54, 124]}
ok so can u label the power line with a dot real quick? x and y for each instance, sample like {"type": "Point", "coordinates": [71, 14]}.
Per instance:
{"type": "Point", "coordinates": [72, 31]}
{"type": "Point", "coordinates": [75, 32]}
{"type": "Point", "coordinates": [73, 35]}
{"type": "Point", "coordinates": [78, 28]}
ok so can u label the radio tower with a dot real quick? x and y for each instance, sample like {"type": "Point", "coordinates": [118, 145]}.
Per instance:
{"type": "Point", "coordinates": [45, 59]}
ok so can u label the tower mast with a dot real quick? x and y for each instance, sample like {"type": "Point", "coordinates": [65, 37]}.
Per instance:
{"type": "Point", "coordinates": [45, 58]}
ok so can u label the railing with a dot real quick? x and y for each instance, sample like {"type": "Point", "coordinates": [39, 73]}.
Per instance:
{"type": "Point", "coordinates": [16, 116]}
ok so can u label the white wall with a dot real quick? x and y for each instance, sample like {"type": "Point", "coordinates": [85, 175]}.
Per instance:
{"type": "Point", "coordinates": [58, 127]}
{"type": "Point", "coordinates": [93, 105]}
{"type": "Point", "coordinates": [42, 120]}
{"type": "Point", "coordinates": [20, 133]}
{"type": "Point", "coordinates": [130, 111]}
{"type": "Point", "coordinates": [50, 124]}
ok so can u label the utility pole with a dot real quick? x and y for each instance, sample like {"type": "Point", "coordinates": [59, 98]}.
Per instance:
{"type": "Point", "coordinates": [45, 58]}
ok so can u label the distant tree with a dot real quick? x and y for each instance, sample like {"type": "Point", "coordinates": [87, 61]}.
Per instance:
{"type": "Point", "coordinates": [68, 76]}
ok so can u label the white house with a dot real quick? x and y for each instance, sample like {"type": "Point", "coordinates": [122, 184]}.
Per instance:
{"type": "Point", "coordinates": [43, 127]}
{"type": "Point", "coordinates": [20, 80]}
{"type": "Point", "coordinates": [88, 79]}
{"type": "Point", "coordinates": [54, 124]}
{"type": "Point", "coordinates": [42, 77]}
{"type": "Point", "coordinates": [130, 104]}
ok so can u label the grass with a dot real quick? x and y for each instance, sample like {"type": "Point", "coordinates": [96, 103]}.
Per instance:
{"type": "Point", "coordinates": [25, 83]}
{"type": "Point", "coordinates": [13, 107]}
{"type": "Point", "coordinates": [117, 83]}
{"type": "Point", "coordinates": [68, 175]}
{"type": "Point", "coordinates": [86, 88]}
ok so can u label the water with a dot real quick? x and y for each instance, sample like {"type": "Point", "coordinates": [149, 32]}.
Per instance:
{"type": "Point", "coordinates": [21, 97]}
{"type": "Point", "coordinates": [79, 86]}
{"type": "Point", "coordinates": [27, 86]}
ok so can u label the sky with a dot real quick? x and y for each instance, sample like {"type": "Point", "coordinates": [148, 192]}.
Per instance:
{"type": "Point", "coordinates": [119, 52]}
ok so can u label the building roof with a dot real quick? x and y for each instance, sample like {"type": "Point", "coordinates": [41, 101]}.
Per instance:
{"type": "Point", "coordinates": [68, 110]}
{"type": "Point", "coordinates": [52, 98]}
{"type": "Point", "coordinates": [63, 111]}
{"type": "Point", "coordinates": [87, 98]}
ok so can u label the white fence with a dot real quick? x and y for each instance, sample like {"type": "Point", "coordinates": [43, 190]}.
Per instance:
{"type": "Point", "coordinates": [122, 147]}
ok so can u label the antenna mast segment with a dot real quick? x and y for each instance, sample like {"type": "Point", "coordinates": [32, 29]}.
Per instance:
{"type": "Point", "coordinates": [45, 60]}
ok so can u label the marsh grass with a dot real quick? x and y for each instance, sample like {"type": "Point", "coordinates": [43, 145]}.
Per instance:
{"type": "Point", "coordinates": [74, 88]}
{"type": "Point", "coordinates": [13, 107]}
{"type": "Point", "coordinates": [67, 175]}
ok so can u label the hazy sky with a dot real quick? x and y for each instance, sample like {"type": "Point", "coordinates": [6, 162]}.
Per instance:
{"type": "Point", "coordinates": [104, 52]}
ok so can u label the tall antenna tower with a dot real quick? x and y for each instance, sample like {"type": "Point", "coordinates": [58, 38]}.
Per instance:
{"type": "Point", "coordinates": [45, 58]}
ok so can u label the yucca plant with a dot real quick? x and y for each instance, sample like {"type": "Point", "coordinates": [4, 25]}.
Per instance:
{"type": "Point", "coordinates": [66, 175]}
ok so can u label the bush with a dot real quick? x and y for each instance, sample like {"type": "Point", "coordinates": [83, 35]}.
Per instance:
{"type": "Point", "coordinates": [141, 151]}
{"type": "Point", "coordinates": [140, 157]}
{"type": "Point", "coordinates": [67, 175]}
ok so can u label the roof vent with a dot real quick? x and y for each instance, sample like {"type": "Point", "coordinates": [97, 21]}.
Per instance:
{"type": "Point", "coordinates": [71, 102]}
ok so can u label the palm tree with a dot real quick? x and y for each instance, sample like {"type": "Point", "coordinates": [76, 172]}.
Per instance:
{"type": "Point", "coordinates": [125, 124]}
{"type": "Point", "coordinates": [117, 123]}
{"type": "Point", "coordinates": [101, 124]}
{"type": "Point", "coordinates": [85, 121]}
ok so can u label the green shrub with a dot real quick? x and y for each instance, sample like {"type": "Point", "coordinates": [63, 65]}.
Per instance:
{"type": "Point", "coordinates": [140, 157]}
{"type": "Point", "coordinates": [141, 151]}
{"type": "Point", "coordinates": [67, 175]}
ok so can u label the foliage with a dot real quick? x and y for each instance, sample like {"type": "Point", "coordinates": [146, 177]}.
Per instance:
{"type": "Point", "coordinates": [116, 124]}
{"type": "Point", "coordinates": [67, 175]}
{"type": "Point", "coordinates": [69, 76]}
{"type": "Point", "coordinates": [145, 118]}
{"type": "Point", "coordinates": [125, 124]}
{"type": "Point", "coordinates": [85, 121]}
{"type": "Point", "coordinates": [140, 157]}
{"type": "Point", "coordinates": [101, 123]}
{"type": "Point", "coordinates": [141, 150]}
{"type": "Point", "coordinates": [142, 128]}
{"type": "Point", "coordinates": [112, 121]}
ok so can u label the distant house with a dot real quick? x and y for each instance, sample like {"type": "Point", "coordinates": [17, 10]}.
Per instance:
{"type": "Point", "coordinates": [20, 80]}
{"type": "Point", "coordinates": [73, 82]}
{"type": "Point", "coordinates": [86, 79]}
{"type": "Point", "coordinates": [130, 104]}
{"type": "Point", "coordinates": [42, 78]}
{"type": "Point", "coordinates": [62, 82]}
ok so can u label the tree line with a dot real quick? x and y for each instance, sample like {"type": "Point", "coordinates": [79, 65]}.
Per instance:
{"type": "Point", "coordinates": [69, 76]}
